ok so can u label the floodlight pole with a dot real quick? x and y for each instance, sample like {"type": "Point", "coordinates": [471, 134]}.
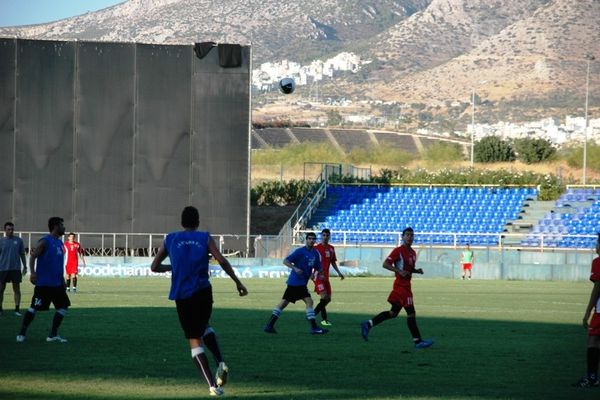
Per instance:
{"type": "Point", "coordinates": [589, 59]}
{"type": "Point", "coordinates": [472, 124]}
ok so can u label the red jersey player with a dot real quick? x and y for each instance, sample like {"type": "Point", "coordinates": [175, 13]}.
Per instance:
{"type": "Point", "coordinates": [402, 262]}
{"type": "Point", "coordinates": [73, 251]}
{"type": "Point", "coordinates": [322, 284]}
{"type": "Point", "coordinates": [593, 326]}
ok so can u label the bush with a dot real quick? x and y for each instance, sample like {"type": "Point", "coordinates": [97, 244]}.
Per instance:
{"type": "Point", "coordinates": [574, 156]}
{"type": "Point", "coordinates": [550, 185]}
{"type": "Point", "coordinates": [534, 150]}
{"type": "Point", "coordinates": [440, 152]}
{"type": "Point", "coordinates": [493, 149]}
{"type": "Point", "coordinates": [280, 193]}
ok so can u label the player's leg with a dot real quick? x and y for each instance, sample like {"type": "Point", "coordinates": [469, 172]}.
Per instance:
{"type": "Point", "coordinates": [74, 277]}
{"type": "Point", "coordinates": [2, 287]}
{"type": "Point", "coordinates": [411, 321]}
{"type": "Point", "coordinates": [61, 303]}
{"type": "Point", "coordinates": [310, 315]}
{"type": "Point", "coordinates": [463, 272]}
{"type": "Point", "coordinates": [275, 314]}
{"type": "Point", "coordinates": [321, 307]}
{"type": "Point", "coordinates": [17, 294]}
{"type": "Point", "coordinates": [592, 355]}
{"type": "Point", "coordinates": [40, 301]}
{"type": "Point", "coordinates": [68, 282]}
{"type": "Point", "coordinates": [366, 326]}
{"type": "Point", "coordinates": [201, 361]}
{"type": "Point", "coordinates": [209, 338]}
{"type": "Point", "coordinates": [194, 314]}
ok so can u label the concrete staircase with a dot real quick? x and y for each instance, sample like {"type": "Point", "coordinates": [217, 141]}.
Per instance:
{"type": "Point", "coordinates": [533, 211]}
{"type": "Point", "coordinates": [323, 211]}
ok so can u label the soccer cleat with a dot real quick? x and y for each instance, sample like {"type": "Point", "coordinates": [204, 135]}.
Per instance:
{"type": "Point", "coordinates": [18, 314]}
{"type": "Point", "coordinates": [364, 330]}
{"type": "Point", "coordinates": [318, 331]}
{"type": "Point", "coordinates": [20, 338]}
{"type": "Point", "coordinates": [269, 329]}
{"type": "Point", "coordinates": [587, 382]}
{"type": "Point", "coordinates": [221, 375]}
{"type": "Point", "coordinates": [56, 338]}
{"type": "Point", "coordinates": [423, 344]}
{"type": "Point", "coordinates": [68, 289]}
{"type": "Point", "coordinates": [326, 323]}
{"type": "Point", "coordinates": [215, 391]}
{"type": "Point", "coordinates": [74, 290]}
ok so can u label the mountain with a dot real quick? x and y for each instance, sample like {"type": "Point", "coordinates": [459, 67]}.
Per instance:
{"type": "Point", "coordinates": [540, 54]}
{"type": "Point", "coordinates": [430, 51]}
{"type": "Point", "coordinates": [277, 29]}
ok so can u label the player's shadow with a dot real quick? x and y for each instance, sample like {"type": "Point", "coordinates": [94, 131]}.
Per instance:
{"type": "Point", "coordinates": [485, 359]}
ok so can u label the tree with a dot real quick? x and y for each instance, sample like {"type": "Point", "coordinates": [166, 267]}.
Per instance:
{"type": "Point", "coordinates": [493, 149]}
{"type": "Point", "coordinates": [534, 150]}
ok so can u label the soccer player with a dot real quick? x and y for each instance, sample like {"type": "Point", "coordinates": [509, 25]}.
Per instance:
{"type": "Point", "coordinates": [49, 281]}
{"type": "Point", "coordinates": [191, 290]}
{"type": "Point", "coordinates": [593, 326]}
{"type": "Point", "coordinates": [322, 284]}
{"type": "Point", "coordinates": [74, 251]}
{"type": "Point", "coordinates": [402, 262]}
{"type": "Point", "coordinates": [11, 251]}
{"type": "Point", "coordinates": [302, 262]}
{"type": "Point", "coordinates": [467, 258]}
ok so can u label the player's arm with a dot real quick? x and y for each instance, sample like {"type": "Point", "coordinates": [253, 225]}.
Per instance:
{"type": "Point", "coordinates": [224, 263]}
{"type": "Point", "coordinates": [594, 296]}
{"type": "Point", "coordinates": [337, 270]}
{"type": "Point", "coordinates": [35, 253]}
{"type": "Point", "coordinates": [24, 262]}
{"type": "Point", "coordinates": [157, 265]}
{"type": "Point", "coordinates": [22, 257]}
{"type": "Point", "coordinates": [290, 264]}
{"type": "Point", "coordinates": [390, 267]}
{"type": "Point", "coordinates": [81, 254]}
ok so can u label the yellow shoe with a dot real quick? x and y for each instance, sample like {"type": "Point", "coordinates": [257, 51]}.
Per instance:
{"type": "Point", "coordinates": [326, 323]}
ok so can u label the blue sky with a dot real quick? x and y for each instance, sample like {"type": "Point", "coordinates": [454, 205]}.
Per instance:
{"type": "Point", "coordinates": [26, 12]}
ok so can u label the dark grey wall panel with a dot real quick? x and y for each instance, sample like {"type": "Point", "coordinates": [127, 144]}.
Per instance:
{"type": "Point", "coordinates": [119, 137]}
{"type": "Point", "coordinates": [104, 137]}
{"type": "Point", "coordinates": [220, 143]}
{"type": "Point", "coordinates": [162, 159]}
{"type": "Point", "coordinates": [7, 126]}
{"type": "Point", "coordinates": [44, 149]}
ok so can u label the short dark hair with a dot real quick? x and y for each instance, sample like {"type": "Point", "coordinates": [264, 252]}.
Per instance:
{"type": "Point", "coordinates": [190, 218]}
{"type": "Point", "coordinates": [327, 231]}
{"type": "Point", "coordinates": [8, 224]}
{"type": "Point", "coordinates": [71, 234]}
{"type": "Point", "coordinates": [311, 234]}
{"type": "Point", "coordinates": [54, 221]}
{"type": "Point", "coordinates": [408, 229]}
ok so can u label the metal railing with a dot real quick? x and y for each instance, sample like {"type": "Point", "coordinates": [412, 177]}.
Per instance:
{"type": "Point", "coordinates": [278, 246]}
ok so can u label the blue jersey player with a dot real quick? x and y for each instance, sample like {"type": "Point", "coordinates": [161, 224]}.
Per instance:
{"type": "Point", "coordinates": [47, 276]}
{"type": "Point", "coordinates": [188, 251]}
{"type": "Point", "coordinates": [302, 262]}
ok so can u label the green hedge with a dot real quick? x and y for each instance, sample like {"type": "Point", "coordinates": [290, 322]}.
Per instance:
{"type": "Point", "coordinates": [550, 185]}
{"type": "Point", "coordinates": [293, 191]}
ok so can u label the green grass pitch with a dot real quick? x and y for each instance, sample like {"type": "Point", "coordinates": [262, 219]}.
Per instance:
{"type": "Point", "coordinates": [493, 340]}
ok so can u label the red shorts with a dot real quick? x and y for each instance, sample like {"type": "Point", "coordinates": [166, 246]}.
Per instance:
{"type": "Point", "coordinates": [594, 328]}
{"type": "Point", "coordinates": [401, 296]}
{"type": "Point", "coordinates": [322, 286]}
{"type": "Point", "coordinates": [71, 269]}
{"type": "Point", "coordinates": [467, 266]}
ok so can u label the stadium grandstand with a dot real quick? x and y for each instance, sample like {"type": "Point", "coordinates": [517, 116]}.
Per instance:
{"type": "Point", "coordinates": [343, 139]}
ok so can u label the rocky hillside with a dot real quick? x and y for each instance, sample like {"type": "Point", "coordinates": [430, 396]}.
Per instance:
{"type": "Point", "coordinates": [431, 51]}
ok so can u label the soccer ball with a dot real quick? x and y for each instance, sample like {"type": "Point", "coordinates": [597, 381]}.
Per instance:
{"type": "Point", "coordinates": [287, 85]}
